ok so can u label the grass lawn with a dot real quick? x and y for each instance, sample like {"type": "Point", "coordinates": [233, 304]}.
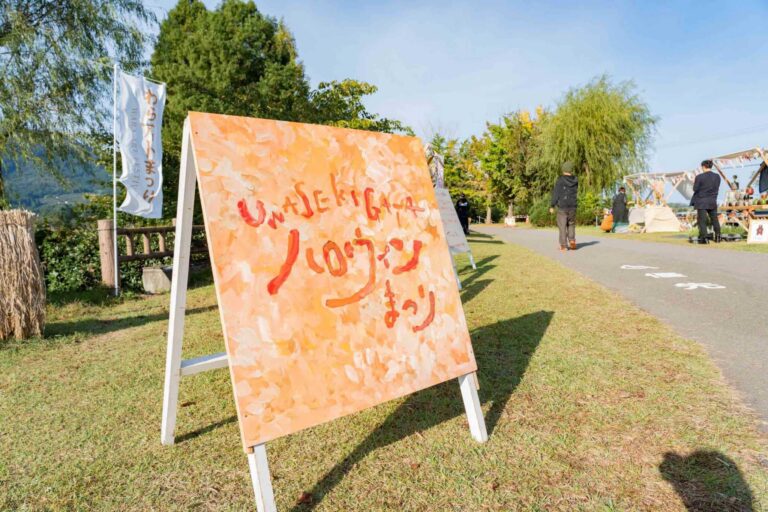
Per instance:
{"type": "Point", "coordinates": [671, 238]}
{"type": "Point", "coordinates": [590, 405]}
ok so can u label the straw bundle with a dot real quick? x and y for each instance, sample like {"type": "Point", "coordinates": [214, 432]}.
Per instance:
{"type": "Point", "coordinates": [22, 289]}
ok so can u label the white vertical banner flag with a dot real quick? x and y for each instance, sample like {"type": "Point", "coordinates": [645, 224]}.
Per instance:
{"type": "Point", "coordinates": [139, 120]}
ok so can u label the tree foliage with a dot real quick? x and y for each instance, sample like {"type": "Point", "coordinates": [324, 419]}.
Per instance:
{"type": "Point", "coordinates": [509, 146]}
{"type": "Point", "coordinates": [605, 129]}
{"type": "Point", "coordinates": [235, 60]}
{"type": "Point", "coordinates": [54, 93]}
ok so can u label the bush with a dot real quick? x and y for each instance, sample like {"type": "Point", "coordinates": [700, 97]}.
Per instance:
{"type": "Point", "coordinates": [70, 258]}
{"type": "Point", "coordinates": [589, 206]}
{"type": "Point", "coordinates": [539, 214]}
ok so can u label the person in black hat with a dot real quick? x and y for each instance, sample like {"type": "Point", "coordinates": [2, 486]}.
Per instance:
{"type": "Point", "coordinates": [619, 208]}
{"type": "Point", "coordinates": [564, 197]}
{"type": "Point", "coordinates": [704, 200]}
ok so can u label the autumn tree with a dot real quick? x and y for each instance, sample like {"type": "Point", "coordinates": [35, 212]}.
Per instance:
{"type": "Point", "coordinates": [507, 151]}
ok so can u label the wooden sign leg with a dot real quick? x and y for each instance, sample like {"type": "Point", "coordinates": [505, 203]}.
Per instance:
{"type": "Point", "coordinates": [261, 479]}
{"type": "Point", "coordinates": [467, 383]}
{"type": "Point", "coordinates": [455, 272]}
{"type": "Point", "coordinates": [181, 252]}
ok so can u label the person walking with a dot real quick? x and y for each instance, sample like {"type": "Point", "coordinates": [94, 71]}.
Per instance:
{"type": "Point", "coordinates": [462, 210]}
{"type": "Point", "coordinates": [619, 208]}
{"type": "Point", "coordinates": [704, 200]}
{"type": "Point", "coordinates": [564, 198]}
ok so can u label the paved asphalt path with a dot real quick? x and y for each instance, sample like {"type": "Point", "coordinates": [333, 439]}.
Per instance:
{"type": "Point", "coordinates": [731, 322]}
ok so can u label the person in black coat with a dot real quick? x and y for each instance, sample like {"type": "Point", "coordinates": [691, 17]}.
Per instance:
{"type": "Point", "coordinates": [564, 197]}
{"type": "Point", "coordinates": [462, 210]}
{"type": "Point", "coordinates": [619, 207]}
{"type": "Point", "coordinates": [704, 200]}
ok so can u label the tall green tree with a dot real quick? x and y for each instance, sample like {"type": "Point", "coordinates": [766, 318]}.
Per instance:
{"type": "Point", "coordinates": [464, 173]}
{"type": "Point", "coordinates": [236, 60]}
{"type": "Point", "coordinates": [508, 149]}
{"type": "Point", "coordinates": [231, 60]}
{"type": "Point", "coordinates": [340, 103]}
{"type": "Point", "coordinates": [604, 128]}
{"type": "Point", "coordinates": [55, 64]}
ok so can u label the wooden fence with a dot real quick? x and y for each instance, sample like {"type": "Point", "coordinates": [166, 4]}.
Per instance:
{"type": "Point", "coordinates": [134, 252]}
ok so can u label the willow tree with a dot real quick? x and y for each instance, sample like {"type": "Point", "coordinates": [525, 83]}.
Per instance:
{"type": "Point", "coordinates": [55, 63]}
{"type": "Point", "coordinates": [605, 129]}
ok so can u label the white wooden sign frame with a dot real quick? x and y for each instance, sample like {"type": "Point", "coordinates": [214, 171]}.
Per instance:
{"type": "Point", "coordinates": [176, 367]}
{"type": "Point", "coordinates": [450, 249]}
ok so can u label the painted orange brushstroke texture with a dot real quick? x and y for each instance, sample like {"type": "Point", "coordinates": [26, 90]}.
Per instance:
{"type": "Point", "coordinates": [295, 362]}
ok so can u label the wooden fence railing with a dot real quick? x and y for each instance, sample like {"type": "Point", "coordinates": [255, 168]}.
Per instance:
{"type": "Point", "coordinates": [132, 251]}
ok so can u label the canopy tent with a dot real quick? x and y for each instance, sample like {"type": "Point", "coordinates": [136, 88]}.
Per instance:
{"type": "Point", "coordinates": [653, 185]}
{"type": "Point", "coordinates": [740, 159]}
{"type": "Point", "coordinates": [661, 219]}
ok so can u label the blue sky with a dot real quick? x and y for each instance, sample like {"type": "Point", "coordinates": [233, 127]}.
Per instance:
{"type": "Point", "coordinates": [451, 66]}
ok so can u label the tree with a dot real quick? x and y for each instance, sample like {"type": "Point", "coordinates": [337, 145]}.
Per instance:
{"type": "Point", "coordinates": [508, 148]}
{"type": "Point", "coordinates": [232, 60]}
{"type": "Point", "coordinates": [341, 104]}
{"type": "Point", "coordinates": [55, 62]}
{"type": "Point", "coordinates": [235, 60]}
{"type": "Point", "coordinates": [464, 173]}
{"type": "Point", "coordinates": [604, 129]}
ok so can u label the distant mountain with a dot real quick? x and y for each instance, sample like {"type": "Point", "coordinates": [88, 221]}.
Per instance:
{"type": "Point", "coordinates": [28, 187]}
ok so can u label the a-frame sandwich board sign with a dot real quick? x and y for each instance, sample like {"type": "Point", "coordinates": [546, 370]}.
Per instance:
{"type": "Point", "coordinates": [454, 232]}
{"type": "Point", "coordinates": [316, 235]}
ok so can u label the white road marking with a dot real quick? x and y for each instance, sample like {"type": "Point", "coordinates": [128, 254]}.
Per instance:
{"type": "Point", "coordinates": [664, 275]}
{"type": "Point", "coordinates": [694, 286]}
{"type": "Point", "coordinates": [638, 267]}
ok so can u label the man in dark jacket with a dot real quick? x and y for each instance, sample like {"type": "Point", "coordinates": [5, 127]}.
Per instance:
{"type": "Point", "coordinates": [564, 198]}
{"type": "Point", "coordinates": [462, 210]}
{"type": "Point", "coordinates": [619, 207]}
{"type": "Point", "coordinates": [704, 200]}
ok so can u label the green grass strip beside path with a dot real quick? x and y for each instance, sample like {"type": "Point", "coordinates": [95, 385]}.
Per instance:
{"type": "Point", "coordinates": [590, 404]}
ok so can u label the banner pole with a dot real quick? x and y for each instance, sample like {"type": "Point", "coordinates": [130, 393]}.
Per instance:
{"type": "Point", "coordinates": [114, 179]}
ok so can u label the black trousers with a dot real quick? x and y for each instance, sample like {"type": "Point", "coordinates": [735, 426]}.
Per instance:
{"type": "Point", "coordinates": [702, 220]}
{"type": "Point", "coordinates": [566, 224]}
{"type": "Point", "coordinates": [464, 220]}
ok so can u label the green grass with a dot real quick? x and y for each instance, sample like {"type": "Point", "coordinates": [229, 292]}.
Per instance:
{"type": "Point", "coordinates": [673, 238]}
{"type": "Point", "coordinates": [590, 404]}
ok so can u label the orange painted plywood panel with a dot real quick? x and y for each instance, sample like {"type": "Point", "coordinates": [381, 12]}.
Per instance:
{"type": "Point", "coordinates": [333, 275]}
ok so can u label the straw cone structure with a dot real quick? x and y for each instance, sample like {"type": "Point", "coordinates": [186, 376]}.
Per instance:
{"type": "Point", "coordinates": [22, 289]}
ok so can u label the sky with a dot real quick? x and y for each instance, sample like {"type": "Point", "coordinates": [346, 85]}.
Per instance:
{"type": "Point", "coordinates": [450, 67]}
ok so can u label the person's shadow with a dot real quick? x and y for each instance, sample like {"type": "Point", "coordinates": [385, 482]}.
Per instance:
{"type": "Point", "coordinates": [502, 351]}
{"type": "Point", "coordinates": [707, 481]}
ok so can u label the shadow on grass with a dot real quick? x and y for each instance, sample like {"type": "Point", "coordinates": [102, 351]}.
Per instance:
{"type": "Point", "coordinates": [474, 241]}
{"type": "Point", "coordinates": [707, 481]}
{"type": "Point", "coordinates": [96, 326]}
{"type": "Point", "coordinates": [472, 285]}
{"type": "Point", "coordinates": [205, 429]}
{"type": "Point", "coordinates": [503, 351]}
{"type": "Point", "coordinates": [477, 234]}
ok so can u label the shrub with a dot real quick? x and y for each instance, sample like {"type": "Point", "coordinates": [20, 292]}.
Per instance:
{"type": "Point", "coordinates": [70, 258]}
{"type": "Point", "coordinates": [589, 207]}
{"type": "Point", "coordinates": [539, 213]}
